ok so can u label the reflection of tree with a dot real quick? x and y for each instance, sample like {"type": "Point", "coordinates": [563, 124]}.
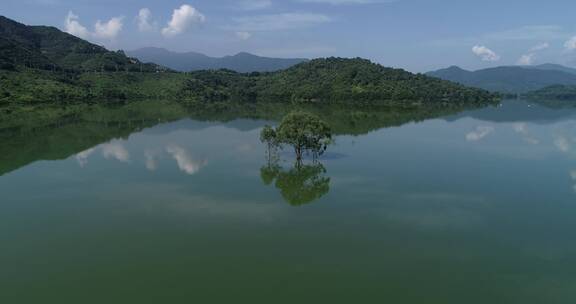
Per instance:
{"type": "Point", "coordinates": [269, 173]}
{"type": "Point", "coordinates": [302, 184]}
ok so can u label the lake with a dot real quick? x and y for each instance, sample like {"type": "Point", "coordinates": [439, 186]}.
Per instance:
{"type": "Point", "coordinates": [477, 206]}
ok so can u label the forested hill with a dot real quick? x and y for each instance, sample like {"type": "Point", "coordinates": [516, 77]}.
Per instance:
{"type": "Point", "coordinates": [48, 48]}
{"type": "Point", "coordinates": [44, 65]}
{"type": "Point", "coordinates": [333, 79]}
{"type": "Point", "coordinates": [557, 93]}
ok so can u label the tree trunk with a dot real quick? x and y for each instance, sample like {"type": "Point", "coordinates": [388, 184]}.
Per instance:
{"type": "Point", "coordinates": [298, 151]}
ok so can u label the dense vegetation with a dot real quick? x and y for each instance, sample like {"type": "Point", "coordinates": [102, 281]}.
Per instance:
{"type": "Point", "coordinates": [318, 81]}
{"type": "Point", "coordinates": [44, 65]}
{"type": "Point", "coordinates": [304, 132]}
{"type": "Point", "coordinates": [554, 93]}
{"type": "Point", "coordinates": [47, 48]}
{"type": "Point", "coordinates": [26, 87]}
{"type": "Point", "coordinates": [330, 80]}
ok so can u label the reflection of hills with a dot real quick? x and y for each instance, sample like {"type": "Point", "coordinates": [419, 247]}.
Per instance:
{"type": "Point", "coordinates": [344, 120]}
{"type": "Point", "coordinates": [244, 125]}
{"type": "Point", "coordinates": [30, 138]}
{"type": "Point", "coordinates": [518, 111]}
{"type": "Point", "coordinates": [50, 134]}
{"type": "Point", "coordinates": [19, 149]}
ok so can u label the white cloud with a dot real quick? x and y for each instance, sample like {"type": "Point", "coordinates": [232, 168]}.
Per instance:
{"type": "Point", "coordinates": [527, 59]}
{"type": "Point", "coordinates": [115, 151]}
{"type": "Point", "coordinates": [72, 26]}
{"type": "Point", "coordinates": [485, 53]}
{"type": "Point", "coordinates": [243, 35]}
{"type": "Point", "coordinates": [540, 47]}
{"type": "Point", "coordinates": [102, 30]}
{"type": "Point", "coordinates": [108, 30]}
{"type": "Point", "coordinates": [182, 19]}
{"type": "Point", "coordinates": [570, 45]}
{"type": "Point", "coordinates": [479, 133]}
{"type": "Point", "coordinates": [251, 5]}
{"type": "Point", "coordinates": [277, 22]}
{"type": "Point", "coordinates": [145, 24]}
{"type": "Point", "coordinates": [184, 160]}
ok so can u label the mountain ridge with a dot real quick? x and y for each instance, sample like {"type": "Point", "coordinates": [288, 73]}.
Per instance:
{"type": "Point", "coordinates": [242, 62]}
{"type": "Point", "coordinates": [509, 79]}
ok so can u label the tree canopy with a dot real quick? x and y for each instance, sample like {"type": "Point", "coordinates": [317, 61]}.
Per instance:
{"type": "Point", "coordinates": [304, 132]}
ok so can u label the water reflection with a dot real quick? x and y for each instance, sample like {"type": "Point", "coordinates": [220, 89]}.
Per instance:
{"type": "Point", "coordinates": [26, 140]}
{"type": "Point", "coordinates": [299, 185]}
{"type": "Point", "coordinates": [184, 160]}
{"type": "Point", "coordinates": [479, 133]}
{"type": "Point", "coordinates": [117, 151]}
{"type": "Point", "coordinates": [82, 157]}
{"type": "Point", "coordinates": [522, 129]}
{"type": "Point", "coordinates": [467, 210]}
{"type": "Point", "coordinates": [151, 160]}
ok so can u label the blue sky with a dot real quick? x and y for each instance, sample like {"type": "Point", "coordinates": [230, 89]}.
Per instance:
{"type": "Point", "coordinates": [418, 35]}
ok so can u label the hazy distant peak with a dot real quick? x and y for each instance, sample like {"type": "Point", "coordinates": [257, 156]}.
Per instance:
{"type": "Point", "coordinates": [510, 79]}
{"type": "Point", "coordinates": [245, 54]}
{"type": "Point", "coordinates": [243, 62]}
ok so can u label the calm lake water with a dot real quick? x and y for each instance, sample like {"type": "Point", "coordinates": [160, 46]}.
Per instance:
{"type": "Point", "coordinates": [474, 207]}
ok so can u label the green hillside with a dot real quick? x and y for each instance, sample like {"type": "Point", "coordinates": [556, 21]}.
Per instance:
{"type": "Point", "coordinates": [359, 79]}
{"type": "Point", "coordinates": [557, 92]}
{"type": "Point", "coordinates": [47, 48]}
{"type": "Point", "coordinates": [42, 65]}
{"type": "Point", "coordinates": [330, 80]}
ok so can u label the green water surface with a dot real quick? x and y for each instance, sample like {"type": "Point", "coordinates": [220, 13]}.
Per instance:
{"type": "Point", "coordinates": [473, 207]}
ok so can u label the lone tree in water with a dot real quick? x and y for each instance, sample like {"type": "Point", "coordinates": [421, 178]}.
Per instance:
{"type": "Point", "coordinates": [303, 131]}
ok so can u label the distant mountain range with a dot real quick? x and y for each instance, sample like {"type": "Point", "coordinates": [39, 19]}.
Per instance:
{"type": "Point", "coordinates": [192, 61]}
{"type": "Point", "coordinates": [510, 79]}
